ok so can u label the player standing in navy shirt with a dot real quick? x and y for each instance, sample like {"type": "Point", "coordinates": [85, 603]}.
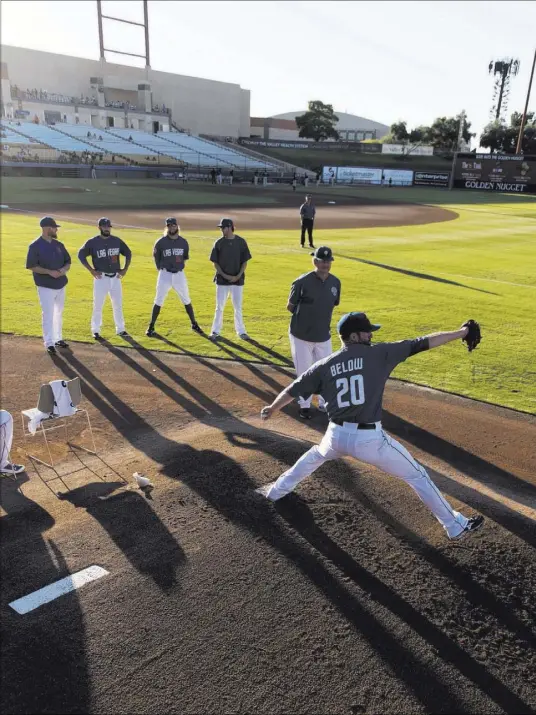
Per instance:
{"type": "Point", "coordinates": [170, 253]}
{"type": "Point", "coordinates": [104, 250]}
{"type": "Point", "coordinates": [49, 261]}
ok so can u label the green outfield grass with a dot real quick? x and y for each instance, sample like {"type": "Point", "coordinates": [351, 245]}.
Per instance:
{"type": "Point", "coordinates": [107, 193]}
{"type": "Point", "coordinates": [478, 266]}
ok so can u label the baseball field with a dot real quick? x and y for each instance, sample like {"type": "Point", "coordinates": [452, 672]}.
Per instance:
{"type": "Point", "coordinates": [418, 261]}
{"type": "Point", "coordinates": [342, 598]}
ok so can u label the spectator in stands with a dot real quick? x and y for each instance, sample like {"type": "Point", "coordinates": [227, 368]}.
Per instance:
{"type": "Point", "coordinates": [130, 138]}
{"type": "Point", "coordinates": [100, 137]}
{"type": "Point", "coordinates": [213, 176]}
{"type": "Point", "coordinates": [231, 177]}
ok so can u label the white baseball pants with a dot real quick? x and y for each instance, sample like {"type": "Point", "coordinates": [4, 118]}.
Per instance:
{"type": "Point", "coordinates": [222, 293]}
{"type": "Point", "coordinates": [166, 281]}
{"type": "Point", "coordinates": [378, 448]}
{"type": "Point", "coordinates": [52, 301]}
{"type": "Point", "coordinates": [101, 288]}
{"type": "Point", "coordinates": [6, 437]}
{"type": "Point", "coordinates": [305, 354]}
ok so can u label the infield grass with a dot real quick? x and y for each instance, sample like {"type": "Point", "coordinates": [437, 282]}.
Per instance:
{"type": "Point", "coordinates": [418, 279]}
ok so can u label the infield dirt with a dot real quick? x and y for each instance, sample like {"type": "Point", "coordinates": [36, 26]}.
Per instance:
{"type": "Point", "coordinates": [343, 598]}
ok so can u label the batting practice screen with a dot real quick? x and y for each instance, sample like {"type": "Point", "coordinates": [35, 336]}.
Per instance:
{"type": "Point", "coordinates": [497, 172]}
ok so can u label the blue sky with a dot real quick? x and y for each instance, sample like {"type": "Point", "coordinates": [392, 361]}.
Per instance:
{"type": "Point", "coordinates": [381, 60]}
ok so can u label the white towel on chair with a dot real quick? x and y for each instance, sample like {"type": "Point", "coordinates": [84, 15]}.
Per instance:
{"type": "Point", "coordinates": [63, 407]}
{"type": "Point", "coordinates": [35, 418]}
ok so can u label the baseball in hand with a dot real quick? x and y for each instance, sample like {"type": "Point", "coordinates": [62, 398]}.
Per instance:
{"type": "Point", "coordinates": [265, 413]}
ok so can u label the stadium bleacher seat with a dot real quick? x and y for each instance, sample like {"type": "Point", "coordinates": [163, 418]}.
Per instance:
{"type": "Point", "coordinates": [110, 142]}
{"type": "Point", "coordinates": [55, 139]}
{"type": "Point", "coordinates": [211, 154]}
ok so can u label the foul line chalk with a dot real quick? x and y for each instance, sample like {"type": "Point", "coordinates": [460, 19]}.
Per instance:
{"type": "Point", "coordinates": [58, 588]}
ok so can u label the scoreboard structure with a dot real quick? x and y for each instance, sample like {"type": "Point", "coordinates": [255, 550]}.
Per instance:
{"type": "Point", "coordinates": [512, 173]}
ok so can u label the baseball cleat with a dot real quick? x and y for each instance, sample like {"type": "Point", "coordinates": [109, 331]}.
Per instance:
{"type": "Point", "coordinates": [61, 344]}
{"type": "Point", "coordinates": [243, 336]}
{"type": "Point", "coordinates": [474, 524]}
{"type": "Point", "coordinates": [305, 413]}
{"type": "Point", "coordinates": [149, 332]}
{"type": "Point", "coordinates": [197, 328]}
{"type": "Point", "coordinates": [123, 334]}
{"type": "Point", "coordinates": [96, 336]}
{"type": "Point", "coordinates": [214, 336]}
{"type": "Point", "coordinates": [51, 350]}
{"type": "Point", "coordinates": [9, 469]}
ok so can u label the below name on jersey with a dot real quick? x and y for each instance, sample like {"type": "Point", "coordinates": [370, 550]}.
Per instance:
{"type": "Point", "coordinates": [348, 366]}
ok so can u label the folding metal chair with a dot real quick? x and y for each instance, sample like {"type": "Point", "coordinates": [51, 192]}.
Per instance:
{"type": "Point", "coordinates": [45, 404]}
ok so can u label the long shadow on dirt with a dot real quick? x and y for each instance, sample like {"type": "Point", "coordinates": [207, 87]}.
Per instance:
{"type": "Point", "coordinates": [41, 670]}
{"type": "Point", "coordinates": [228, 489]}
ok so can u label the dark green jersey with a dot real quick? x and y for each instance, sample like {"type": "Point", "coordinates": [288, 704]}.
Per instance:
{"type": "Point", "coordinates": [352, 380]}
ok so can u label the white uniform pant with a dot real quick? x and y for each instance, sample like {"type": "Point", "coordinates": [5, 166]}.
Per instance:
{"type": "Point", "coordinates": [166, 281]}
{"type": "Point", "coordinates": [219, 178]}
{"type": "Point", "coordinates": [378, 448]}
{"type": "Point", "coordinates": [6, 437]}
{"type": "Point", "coordinates": [101, 288]}
{"type": "Point", "coordinates": [52, 301]}
{"type": "Point", "coordinates": [305, 354]}
{"type": "Point", "coordinates": [222, 293]}
{"type": "Point", "coordinates": [230, 181]}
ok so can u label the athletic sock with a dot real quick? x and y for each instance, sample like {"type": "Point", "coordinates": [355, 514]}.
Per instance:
{"type": "Point", "coordinates": [156, 313]}
{"type": "Point", "coordinates": [190, 310]}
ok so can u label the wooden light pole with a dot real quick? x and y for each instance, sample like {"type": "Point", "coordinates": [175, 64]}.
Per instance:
{"type": "Point", "coordinates": [524, 117]}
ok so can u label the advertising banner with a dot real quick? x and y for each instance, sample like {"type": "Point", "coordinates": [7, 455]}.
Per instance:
{"type": "Point", "coordinates": [496, 172]}
{"type": "Point", "coordinates": [429, 178]}
{"type": "Point", "coordinates": [358, 174]}
{"type": "Point", "coordinates": [398, 177]}
{"type": "Point", "coordinates": [407, 150]}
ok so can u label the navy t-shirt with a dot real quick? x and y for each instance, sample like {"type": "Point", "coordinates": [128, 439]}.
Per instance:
{"type": "Point", "coordinates": [230, 254]}
{"type": "Point", "coordinates": [170, 253]}
{"type": "Point", "coordinates": [48, 254]}
{"type": "Point", "coordinates": [104, 253]}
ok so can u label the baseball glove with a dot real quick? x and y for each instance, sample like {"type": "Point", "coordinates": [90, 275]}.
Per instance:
{"type": "Point", "coordinates": [473, 336]}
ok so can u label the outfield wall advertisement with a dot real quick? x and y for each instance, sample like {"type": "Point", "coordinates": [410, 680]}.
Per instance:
{"type": "Point", "coordinates": [497, 172]}
{"type": "Point", "coordinates": [398, 177]}
{"type": "Point", "coordinates": [354, 174]}
{"type": "Point", "coordinates": [431, 178]}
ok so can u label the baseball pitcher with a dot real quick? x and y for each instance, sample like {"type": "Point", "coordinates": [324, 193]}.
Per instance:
{"type": "Point", "coordinates": [104, 250]}
{"type": "Point", "coordinates": [170, 253]}
{"type": "Point", "coordinates": [352, 381]}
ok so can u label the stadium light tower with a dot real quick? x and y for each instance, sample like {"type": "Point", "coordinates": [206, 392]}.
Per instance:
{"type": "Point", "coordinates": [144, 24]}
{"type": "Point", "coordinates": [502, 70]}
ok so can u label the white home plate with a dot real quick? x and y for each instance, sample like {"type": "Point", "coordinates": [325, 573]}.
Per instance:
{"type": "Point", "coordinates": [58, 588]}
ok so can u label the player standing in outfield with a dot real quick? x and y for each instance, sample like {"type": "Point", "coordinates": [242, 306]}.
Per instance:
{"type": "Point", "coordinates": [311, 301]}
{"type": "Point", "coordinates": [49, 261]}
{"type": "Point", "coordinates": [107, 273]}
{"type": "Point", "coordinates": [170, 253]}
{"type": "Point", "coordinates": [307, 217]}
{"type": "Point", "coordinates": [352, 381]}
{"type": "Point", "coordinates": [230, 255]}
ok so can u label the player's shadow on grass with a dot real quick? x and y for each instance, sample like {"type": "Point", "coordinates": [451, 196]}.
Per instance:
{"type": "Point", "coordinates": [415, 274]}
{"type": "Point", "coordinates": [478, 469]}
{"type": "Point", "coordinates": [475, 594]}
{"type": "Point", "coordinates": [298, 515]}
{"type": "Point", "coordinates": [223, 484]}
{"type": "Point", "coordinates": [43, 657]}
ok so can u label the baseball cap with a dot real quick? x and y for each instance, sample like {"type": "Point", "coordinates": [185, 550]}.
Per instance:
{"type": "Point", "coordinates": [48, 221]}
{"type": "Point", "coordinates": [225, 222]}
{"type": "Point", "coordinates": [104, 221]}
{"type": "Point", "coordinates": [171, 221]}
{"type": "Point", "coordinates": [323, 253]}
{"type": "Point", "coordinates": [355, 323]}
